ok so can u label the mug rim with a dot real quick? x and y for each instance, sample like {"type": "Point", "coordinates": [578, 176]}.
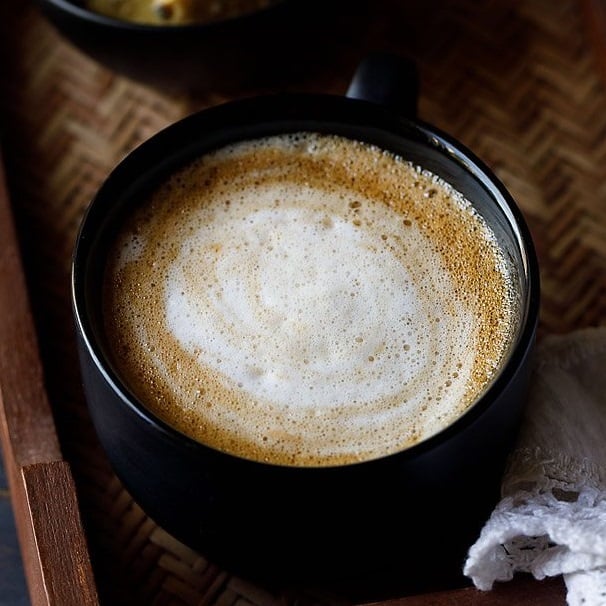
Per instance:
{"type": "Point", "coordinates": [445, 144]}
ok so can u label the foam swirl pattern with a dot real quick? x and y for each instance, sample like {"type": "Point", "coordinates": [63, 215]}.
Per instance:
{"type": "Point", "coordinates": [277, 301]}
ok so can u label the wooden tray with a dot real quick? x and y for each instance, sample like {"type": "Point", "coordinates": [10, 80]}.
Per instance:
{"type": "Point", "coordinates": [520, 83]}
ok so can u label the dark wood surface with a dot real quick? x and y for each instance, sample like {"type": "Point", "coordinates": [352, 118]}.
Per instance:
{"type": "Point", "coordinates": [55, 557]}
{"type": "Point", "coordinates": [522, 591]}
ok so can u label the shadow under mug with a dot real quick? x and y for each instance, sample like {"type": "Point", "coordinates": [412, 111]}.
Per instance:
{"type": "Point", "coordinates": [413, 513]}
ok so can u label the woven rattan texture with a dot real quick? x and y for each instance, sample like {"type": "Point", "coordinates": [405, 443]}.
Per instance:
{"type": "Point", "coordinates": [518, 82]}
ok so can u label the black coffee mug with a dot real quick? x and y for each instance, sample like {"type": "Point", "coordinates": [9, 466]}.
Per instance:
{"type": "Point", "coordinates": [414, 512]}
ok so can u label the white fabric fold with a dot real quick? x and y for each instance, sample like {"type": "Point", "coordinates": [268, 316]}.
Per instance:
{"type": "Point", "coordinates": [551, 519]}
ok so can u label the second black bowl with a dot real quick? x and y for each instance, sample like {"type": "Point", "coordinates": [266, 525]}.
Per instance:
{"type": "Point", "coordinates": [259, 47]}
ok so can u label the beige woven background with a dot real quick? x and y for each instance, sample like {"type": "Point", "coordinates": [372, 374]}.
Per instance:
{"type": "Point", "coordinates": [518, 82]}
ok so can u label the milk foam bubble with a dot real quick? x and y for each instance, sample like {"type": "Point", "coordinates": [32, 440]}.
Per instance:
{"type": "Point", "coordinates": [271, 303]}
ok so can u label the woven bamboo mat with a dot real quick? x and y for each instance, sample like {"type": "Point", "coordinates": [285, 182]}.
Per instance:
{"type": "Point", "coordinates": [518, 82]}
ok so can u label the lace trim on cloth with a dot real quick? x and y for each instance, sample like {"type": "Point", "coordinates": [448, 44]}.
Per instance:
{"type": "Point", "coordinates": [552, 516]}
{"type": "Point", "coordinates": [545, 527]}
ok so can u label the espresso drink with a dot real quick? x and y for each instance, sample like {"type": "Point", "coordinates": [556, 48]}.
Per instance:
{"type": "Point", "coordinates": [307, 300]}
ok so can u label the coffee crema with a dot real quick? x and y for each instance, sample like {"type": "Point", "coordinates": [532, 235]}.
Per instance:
{"type": "Point", "coordinates": [307, 300]}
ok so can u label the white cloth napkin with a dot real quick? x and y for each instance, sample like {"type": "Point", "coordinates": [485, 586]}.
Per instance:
{"type": "Point", "coordinates": [551, 519]}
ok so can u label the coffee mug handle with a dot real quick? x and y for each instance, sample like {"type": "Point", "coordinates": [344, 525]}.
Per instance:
{"type": "Point", "coordinates": [388, 80]}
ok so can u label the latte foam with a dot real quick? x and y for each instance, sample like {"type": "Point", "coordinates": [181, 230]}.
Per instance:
{"type": "Point", "coordinates": [307, 300]}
